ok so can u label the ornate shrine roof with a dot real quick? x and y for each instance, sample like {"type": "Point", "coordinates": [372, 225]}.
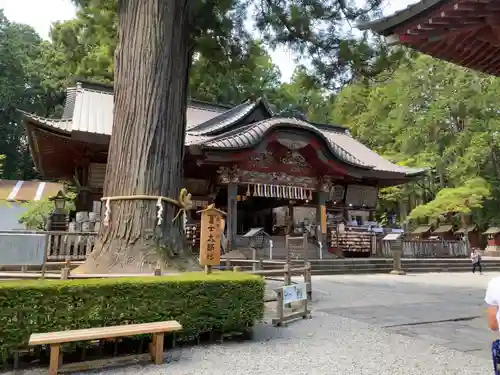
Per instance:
{"type": "Point", "coordinates": [463, 32]}
{"type": "Point", "coordinates": [89, 110]}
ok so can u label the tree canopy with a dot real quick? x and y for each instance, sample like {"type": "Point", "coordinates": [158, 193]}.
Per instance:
{"type": "Point", "coordinates": [430, 113]}
{"type": "Point", "coordinates": [421, 112]}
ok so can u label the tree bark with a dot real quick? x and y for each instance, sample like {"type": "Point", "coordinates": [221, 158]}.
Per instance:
{"type": "Point", "coordinates": [146, 150]}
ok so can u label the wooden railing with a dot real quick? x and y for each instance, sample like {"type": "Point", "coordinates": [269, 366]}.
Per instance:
{"type": "Point", "coordinates": [70, 245]}
{"type": "Point", "coordinates": [428, 249]}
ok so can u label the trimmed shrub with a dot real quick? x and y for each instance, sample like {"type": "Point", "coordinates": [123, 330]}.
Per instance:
{"type": "Point", "coordinates": [222, 301]}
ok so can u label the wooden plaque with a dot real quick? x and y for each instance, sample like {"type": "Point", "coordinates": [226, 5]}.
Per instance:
{"type": "Point", "coordinates": [212, 226]}
{"type": "Point", "coordinates": [323, 219]}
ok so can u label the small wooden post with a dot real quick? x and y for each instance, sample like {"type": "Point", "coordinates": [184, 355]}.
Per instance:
{"type": "Point", "coordinates": [54, 359]}
{"type": "Point", "coordinates": [158, 347]}
{"type": "Point", "coordinates": [305, 306]}
{"type": "Point", "coordinates": [48, 244]}
{"type": "Point", "coordinates": [208, 269]}
{"type": "Point", "coordinates": [24, 268]}
{"type": "Point", "coordinates": [287, 274]}
{"type": "Point", "coordinates": [228, 263]}
{"type": "Point", "coordinates": [65, 271]}
{"type": "Point", "coordinates": [254, 258]}
{"type": "Point", "coordinates": [287, 277]}
{"type": "Point", "coordinates": [157, 271]}
{"type": "Point", "coordinates": [236, 268]}
{"type": "Point", "coordinates": [279, 306]}
{"type": "Point", "coordinates": [308, 280]}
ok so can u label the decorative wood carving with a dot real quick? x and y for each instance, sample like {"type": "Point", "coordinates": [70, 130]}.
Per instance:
{"type": "Point", "coordinates": [265, 159]}
{"type": "Point", "coordinates": [296, 161]}
{"type": "Point", "coordinates": [326, 184]}
{"type": "Point", "coordinates": [228, 174]}
{"type": "Point", "coordinates": [278, 178]}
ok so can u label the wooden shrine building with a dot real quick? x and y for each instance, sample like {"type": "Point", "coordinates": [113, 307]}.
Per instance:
{"type": "Point", "coordinates": [245, 159]}
{"type": "Point", "coordinates": [466, 33]}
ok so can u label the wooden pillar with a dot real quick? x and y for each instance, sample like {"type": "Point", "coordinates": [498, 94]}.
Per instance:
{"type": "Point", "coordinates": [322, 197]}
{"type": "Point", "coordinates": [290, 223]}
{"type": "Point", "coordinates": [232, 215]}
{"type": "Point", "coordinates": [84, 199]}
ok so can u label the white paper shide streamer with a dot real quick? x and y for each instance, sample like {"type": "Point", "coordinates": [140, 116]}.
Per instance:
{"type": "Point", "coordinates": [159, 216]}
{"type": "Point", "coordinates": [107, 213]}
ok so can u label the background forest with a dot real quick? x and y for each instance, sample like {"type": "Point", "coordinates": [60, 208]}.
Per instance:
{"type": "Point", "coordinates": [412, 109]}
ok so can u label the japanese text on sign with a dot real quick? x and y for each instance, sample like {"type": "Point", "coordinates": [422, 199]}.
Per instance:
{"type": "Point", "coordinates": [212, 226]}
{"type": "Point", "coordinates": [294, 293]}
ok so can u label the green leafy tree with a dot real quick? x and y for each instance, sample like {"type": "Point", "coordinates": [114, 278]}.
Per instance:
{"type": "Point", "coordinates": [429, 113]}
{"type": "Point", "coordinates": [20, 51]}
{"type": "Point", "coordinates": [457, 200]}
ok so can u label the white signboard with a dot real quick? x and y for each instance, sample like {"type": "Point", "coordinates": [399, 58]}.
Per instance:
{"type": "Point", "coordinates": [294, 293]}
{"type": "Point", "coordinates": [19, 249]}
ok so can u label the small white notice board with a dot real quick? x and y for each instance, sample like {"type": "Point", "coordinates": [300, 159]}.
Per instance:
{"type": "Point", "coordinates": [294, 293]}
{"type": "Point", "coordinates": [392, 237]}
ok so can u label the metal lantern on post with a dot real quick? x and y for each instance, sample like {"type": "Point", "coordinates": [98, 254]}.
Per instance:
{"type": "Point", "coordinates": [59, 201]}
{"type": "Point", "coordinates": [58, 220]}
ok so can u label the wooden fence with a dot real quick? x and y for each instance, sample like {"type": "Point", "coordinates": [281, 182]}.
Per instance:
{"type": "Point", "coordinates": [427, 249]}
{"type": "Point", "coordinates": [70, 245]}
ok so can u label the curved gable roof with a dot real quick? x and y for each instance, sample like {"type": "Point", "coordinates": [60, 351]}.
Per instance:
{"type": "Point", "coordinates": [338, 140]}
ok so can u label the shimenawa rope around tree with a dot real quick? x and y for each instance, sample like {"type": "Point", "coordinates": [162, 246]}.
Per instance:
{"type": "Point", "coordinates": [184, 203]}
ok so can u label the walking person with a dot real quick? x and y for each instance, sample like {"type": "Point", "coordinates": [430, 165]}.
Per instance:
{"type": "Point", "coordinates": [492, 300]}
{"type": "Point", "coordinates": [476, 261]}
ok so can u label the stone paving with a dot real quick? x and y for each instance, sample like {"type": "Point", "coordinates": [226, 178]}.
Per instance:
{"type": "Point", "coordinates": [440, 308]}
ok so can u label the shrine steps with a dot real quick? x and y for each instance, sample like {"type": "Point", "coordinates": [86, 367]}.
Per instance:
{"type": "Point", "coordinates": [375, 265]}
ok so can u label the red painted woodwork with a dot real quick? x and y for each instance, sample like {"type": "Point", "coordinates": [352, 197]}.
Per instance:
{"type": "Point", "coordinates": [271, 160]}
{"type": "Point", "coordinates": [494, 239]}
{"type": "Point", "coordinates": [466, 33]}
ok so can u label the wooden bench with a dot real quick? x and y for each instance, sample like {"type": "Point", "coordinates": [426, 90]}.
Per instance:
{"type": "Point", "coordinates": [55, 339]}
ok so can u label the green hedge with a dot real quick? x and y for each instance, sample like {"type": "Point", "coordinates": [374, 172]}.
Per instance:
{"type": "Point", "coordinates": [222, 301]}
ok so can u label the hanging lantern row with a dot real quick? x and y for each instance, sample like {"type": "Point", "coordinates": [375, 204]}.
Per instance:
{"type": "Point", "coordinates": [279, 191]}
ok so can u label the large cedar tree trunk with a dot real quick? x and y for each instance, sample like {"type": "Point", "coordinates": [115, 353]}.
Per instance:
{"type": "Point", "coordinates": [146, 151]}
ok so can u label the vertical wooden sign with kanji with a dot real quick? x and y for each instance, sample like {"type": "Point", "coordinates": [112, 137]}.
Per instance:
{"type": "Point", "coordinates": [212, 226]}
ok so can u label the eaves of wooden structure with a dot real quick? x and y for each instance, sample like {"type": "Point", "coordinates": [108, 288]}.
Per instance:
{"type": "Point", "coordinates": [464, 32]}
{"type": "Point", "coordinates": [248, 135]}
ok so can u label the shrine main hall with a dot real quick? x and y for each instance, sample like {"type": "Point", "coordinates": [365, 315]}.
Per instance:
{"type": "Point", "coordinates": [246, 159]}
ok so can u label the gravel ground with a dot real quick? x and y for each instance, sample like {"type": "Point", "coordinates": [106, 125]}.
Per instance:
{"type": "Point", "coordinates": [331, 344]}
{"type": "Point", "coordinates": [324, 345]}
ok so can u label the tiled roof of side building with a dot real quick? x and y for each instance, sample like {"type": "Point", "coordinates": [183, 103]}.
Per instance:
{"type": "Point", "coordinates": [91, 110]}
{"type": "Point", "coordinates": [23, 191]}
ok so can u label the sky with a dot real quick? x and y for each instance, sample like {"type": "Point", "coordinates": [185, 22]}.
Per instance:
{"type": "Point", "coordinates": [40, 14]}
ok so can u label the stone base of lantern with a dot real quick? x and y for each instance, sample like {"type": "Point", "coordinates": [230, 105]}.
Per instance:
{"type": "Point", "coordinates": [492, 251]}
